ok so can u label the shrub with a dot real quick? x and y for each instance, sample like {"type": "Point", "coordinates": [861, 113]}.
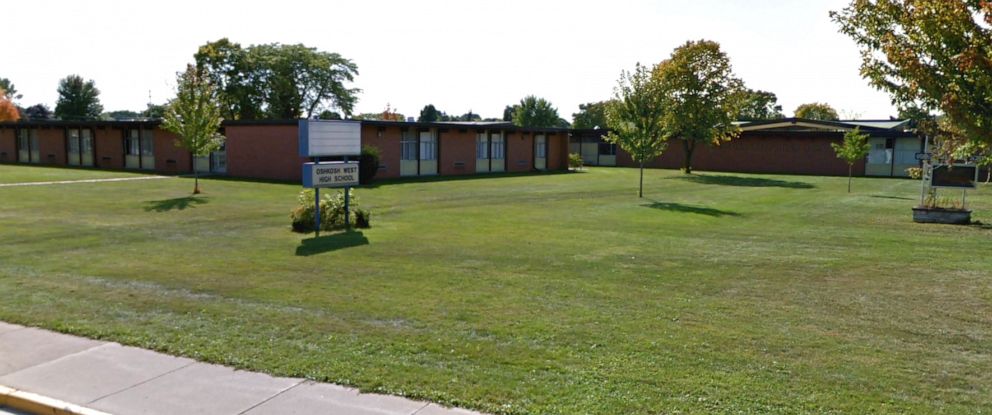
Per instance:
{"type": "Point", "coordinates": [363, 218]}
{"type": "Point", "coordinates": [331, 211]}
{"type": "Point", "coordinates": [915, 172]}
{"type": "Point", "coordinates": [369, 164]}
{"type": "Point", "coordinates": [575, 161]}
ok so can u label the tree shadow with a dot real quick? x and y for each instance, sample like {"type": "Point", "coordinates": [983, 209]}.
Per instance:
{"type": "Point", "coordinates": [699, 210]}
{"type": "Point", "coordinates": [744, 181]}
{"type": "Point", "coordinates": [179, 203]}
{"type": "Point", "coordinates": [891, 197]}
{"type": "Point", "coordinates": [331, 242]}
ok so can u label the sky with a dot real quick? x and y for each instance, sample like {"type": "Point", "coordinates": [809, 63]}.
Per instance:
{"type": "Point", "coordinates": [457, 55]}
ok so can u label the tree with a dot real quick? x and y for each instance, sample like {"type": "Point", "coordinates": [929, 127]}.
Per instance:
{"type": "Point", "coordinates": [759, 105]}
{"type": "Point", "coordinates": [121, 115]}
{"type": "Point", "coordinates": [329, 115]}
{"type": "Point", "coordinates": [277, 81]}
{"type": "Point", "coordinates": [817, 111]}
{"type": "Point", "coordinates": [535, 112]}
{"type": "Point", "coordinates": [854, 148]}
{"type": "Point", "coordinates": [78, 99]}
{"type": "Point", "coordinates": [154, 111]}
{"type": "Point", "coordinates": [9, 91]}
{"type": "Point", "coordinates": [701, 96]}
{"type": "Point", "coordinates": [508, 112]}
{"type": "Point", "coordinates": [8, 111]}
{"type": "Point", "coordinates": [38, 112]}
{"type": "Point", "coordinates": [468, 116]}
{"type": "Point", "coordinates": [634, 118]}
{"type": "Point", "coordinates": [590, 116]}
{"type": "Point", "coordinates": [194, 116]}
{"type": "Point", "coordinates": [931, 54]}
{"type": "Point", "coordinates": [429, 114]}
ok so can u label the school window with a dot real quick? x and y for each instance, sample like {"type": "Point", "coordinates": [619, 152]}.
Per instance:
{"type": "Point", "coordinates": [481, 146]}
{"type": "Point", "coordinates": [498, 146]}
{"type": "Point", "coordinates": [408, 146]}
{"type": "Point", "coordinates": [607, 149]}
{"type": "Point", "coordinates": [27, 146]}
{"type": "Point", "coordinates": [428, 146]}
{"type": "Point", "coordinates": [132, 143]}
{"type": "Point", "coordinates": [541, 148]}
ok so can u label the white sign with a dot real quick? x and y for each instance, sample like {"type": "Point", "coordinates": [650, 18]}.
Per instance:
{"type": "Point", "coordinates": [333, 174]}
{"type": "Point", "coordinates": [319, 138]}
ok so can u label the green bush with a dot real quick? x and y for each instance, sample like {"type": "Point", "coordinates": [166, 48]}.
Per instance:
{"type": "Point", "coordinates": [331, 211]}
{"type": "Point", "coordinates": [369, 164]}
{"type": "Point", "coordinates": [575, 161]}
{"type": "Point", "coordinates": [915, 173]}
{"type": "Point", "coordinates": [363, 218]}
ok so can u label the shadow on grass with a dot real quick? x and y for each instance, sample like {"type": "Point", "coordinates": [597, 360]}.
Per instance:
{"type": "Point", "coordinates": [699, 210]}
{"type": "Point", "coordinates": [744, 181]}
{"type": "Point", "coordinates": [332, 242]}
{"type": "Point", "coordinates": [179, 203]}
{"type": "Point", "coordinates": [891, 197]}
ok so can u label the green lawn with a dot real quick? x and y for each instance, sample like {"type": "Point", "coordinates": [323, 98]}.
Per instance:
{"type": "Point", "coordinates": [718, 293]}
{"type": "Point", "coordinates": [28, 174]}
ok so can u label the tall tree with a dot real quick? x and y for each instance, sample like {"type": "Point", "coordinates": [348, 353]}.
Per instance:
{"type": "Point", "coordinates": [194, 116]}
{"type": "Point", "coordinates": [933, 54]}
{"type": "Point", "coordinates": [854, 148]}
{"type": "Point", "coordinates": [634, 118]}
{"type": "Point", "coordinates": [591, 115]}
{"type": "Point", "coordinates": [817, 111]}
{"type": "Point", "coordinates": [8, 111]}
{"type": "Point", "coordinates": [508, 112]}
{"type": "Point", "coordinates": [535, 112]}
{"type": "Point", "coordinates": [9, 91]}
{"type": "Point", "coordinates": [701, 96]}
{"type": "Point", "coordinates": [278, 81]}
{"type": "Point", "coordinates": [429, 114]}
{"type": "Point", "coordinates": [759, 105]}
{"type": "Point", "coordinates": [237, 76]}
{"type": "Point", "coordinates": [78, 99]}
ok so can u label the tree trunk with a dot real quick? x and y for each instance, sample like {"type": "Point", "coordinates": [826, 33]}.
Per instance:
{"type": "Point", "coordinates": [988, 176]}
{"type": "Point", "coordinates": [689, 146]}
{"type": "Point", "coordinates": [196, 180]}
{"type": "Point", "coordinates": [850, 175]}
{"type": "Point", "coordinates": [640, 188]}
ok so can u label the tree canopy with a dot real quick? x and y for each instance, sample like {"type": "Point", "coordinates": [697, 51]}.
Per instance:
{"type": "Point", "coordinates": [8, 111]}
{"type": "Point", "coordinates": [276, 80]}
{"type": "Point", "coordinates": [759, 105]}
{"type": "Point", "coordinates": [78, 99]}
{"type": "Point", "coordinates": [8, 90]}
{"type": "Point", "coordinates": [634, 118]}
{"type": "Point", "coordinates": [429, 114]}
{"type": "Point", "coordinates": [701, 96]}
{"type": "Point", "coordinates": [931, 54]}
{"type": "Point", "coordinates": [535, 112]}
{"type": "Point", "coordinates": [817, 111]}
{"type": "Point", "coordinates": [38, 112]}
{"type": "Point", "coordinates": [591, 115]}
{"type": "Point", "coordinates": [194, 116]}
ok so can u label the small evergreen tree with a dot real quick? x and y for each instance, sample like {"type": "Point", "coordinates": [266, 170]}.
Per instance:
{"type": "Point", "coordinates": [855, 147]}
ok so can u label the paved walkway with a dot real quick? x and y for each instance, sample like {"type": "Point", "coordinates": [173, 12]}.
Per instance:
{"type": "Point", "coordinates": [124, 380]}
{"type": "Point", "coordinates": [119, 179]}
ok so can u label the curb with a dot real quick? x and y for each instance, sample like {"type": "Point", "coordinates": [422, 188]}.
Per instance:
{"type": "Point", "coordinates": [37, 404]}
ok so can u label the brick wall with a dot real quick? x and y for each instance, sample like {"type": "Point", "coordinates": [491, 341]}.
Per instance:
{"type": "Point", "coordinates": [109, 143]}
{"type": "Point", "coordinates": [520, 152]}
{"type": "Point", "coordinates": [8, 145]}
{"type": "Point", "coordinates": [457, 155]}
{"type": "Point", "coordinates": [759, 152]}
{"type": "Point", "coordinates": [51, 144]}
{"type": "Point", "coordinates": [170, 158]}
{"type": "Point", "coordinates": [387, 140]}
{"type": "Point", "coordinates": [264, 152]}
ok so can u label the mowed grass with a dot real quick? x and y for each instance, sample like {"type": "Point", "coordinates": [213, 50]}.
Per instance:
{"type": "Point", "coordinates": [31, 174]}
{"type": "Point", "coordinates": [558, 293]}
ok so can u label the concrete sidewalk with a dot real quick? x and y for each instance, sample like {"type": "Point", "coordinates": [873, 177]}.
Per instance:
{"type": "Point", "coordinates": [124, 380]}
